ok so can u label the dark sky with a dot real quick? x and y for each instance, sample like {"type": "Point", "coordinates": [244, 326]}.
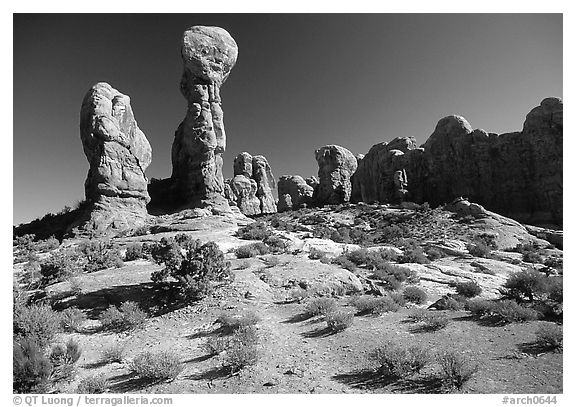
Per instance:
{"type": "Point", "coordinates": [301, 81]}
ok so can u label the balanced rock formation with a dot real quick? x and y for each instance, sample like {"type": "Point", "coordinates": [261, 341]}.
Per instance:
{"type": "Point", "coordinates": [516, 174]}
{"type": "Point", "coordinates": [251, 188]}
{"type": "Point", "coordinates": [208, 54]}
{"type": "Point", "coordinates": [335, 168]}
{"type": "Point", "coordinates": [293, 193]}
{"type": "Point", "coordinates": [118, 153]}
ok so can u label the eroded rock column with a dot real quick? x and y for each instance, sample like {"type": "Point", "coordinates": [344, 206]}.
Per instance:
{"type": "Point", "coordinates": [208, 54]}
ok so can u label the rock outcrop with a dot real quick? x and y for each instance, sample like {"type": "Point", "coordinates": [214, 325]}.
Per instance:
{"type": "Point", "coordinates": [516, 174]}
{"type": "Point", "coordinates": [118, 153]}
{"type": "Point", "coordinates": [251, 188]}
{"type": "Point", "coordinates": [335, 168]}
{"type": "Point", "coordinates": [293, 193]}
{"type": "Point", "coordinates": [208, 54]}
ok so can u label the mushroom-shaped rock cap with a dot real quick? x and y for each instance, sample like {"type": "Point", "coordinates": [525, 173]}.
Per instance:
{"type": "Point", "coordinates": [209, 53]}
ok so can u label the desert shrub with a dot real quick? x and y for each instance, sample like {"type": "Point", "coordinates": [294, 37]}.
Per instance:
{"type": "Point", "coordinates": [526, 285]}
{"type": "Point", "coordinates": [532, 257]}
{"type": "Point", "coordinates": [60, 266]}
{"type": "Point", "coordinates": [72, 319]}
{"type": "Point", "coordinates": [31, 369]}
{"type": "Point", "coordinates": [93, 384]}
{"type": "Point", "coordinates": [390, 282]}
{"type": "Point", "coordinates": [241, 349]}
{"type": "Point", "coordinates": [549, 336]}
{"type": "Point", "coordinates": [63, 358]}
{"type": "Point", "coordinates": [453, 303]}
{"type": "Point", "coordinates": [398, 298]}
{"type": "Point", "coordinates": [251, 250]}
{"type": "Point", "coordinates": [554, 262]}
{"type": "Point", "coordinates": [434, 253]}
{"type": "Point", "coordinates": [155, 366]}
{"type": "Point", "coordinates": [128, 316]}
{"type": "Point", "coordinates": [415, 295]}
{"type": "Point", "coordinates": [321, 306]}
{"type": "Point", "coordinates": [479, 249]}
{"type": "Point", "coordinates": [100, 255]}
{"type": "Point", "coordinates": [343, 262]}
{"type": "Point", "coordinates": [338, 321]}
{"type": "Point", "coordinates": [372, 259]}
{"type": "Point", "coordinates": [38, 323]}
{"type": "Point", "coordinates": [468, 289]}
{"type": "Point", "coordinates": [375, 306]}
{"type": "Point", "coordinates": [316, 254]}
{"type": "Point", "coordinates": [134, 252]}
{"type": "Point", "coordinates": [417, 315]}
{"type": "Point", "coordinates": [232, 323]}
{"type": "Point", "coordinates": [414, 255]}
{"type": "Point", "coordinates": [276, 244]}
{"type": "Point", "coordinates": [254, 231]}
{"type": "Point", "coordinates": [399, 273]}
{"type": "Point", "coordinates": [196, 272]}
{"type": "Point", "coordinates": [503, 312]}
{"type": "Point", "coordinates": [455, 370]}
{"type": "Point", "coordinates": [434, 322]}
{"type": "Point", "coordinates": [113, 353]}
{"type": "Point", "coordinates": [141, 231]}
{"type": "Point", "coordinates": [400, 361]}
{"type": "Point", "coordinates": [272, 261]}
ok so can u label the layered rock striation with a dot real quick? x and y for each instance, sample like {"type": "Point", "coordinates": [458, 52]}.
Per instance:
{"type": "Point", "coordinates": [118, 153]}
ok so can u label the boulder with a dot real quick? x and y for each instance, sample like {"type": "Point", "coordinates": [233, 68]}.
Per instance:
{"type": "Point", "coordinates": [335, 168]}
{"type": "Point", "coordinates": [297, 189]}
{"type": "Point", "coordinates": [208, 54]}
{"type": "Point", "coordinates": [118, 153]}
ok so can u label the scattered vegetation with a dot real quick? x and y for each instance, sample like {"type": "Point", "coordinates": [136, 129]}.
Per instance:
{"type": "Point", "coordinates": [254, 231]}
{"type": "Point", "coordinates": [37, 323]}
{"type": "Point", "coordinates": [455, 370]}
{"type": "Point", "coordinates": [93, 384]}
{"type": "Point", "coordinates": [60, 266]}
{"type": "Point", "coordinates": [113, 353]}
{"type": "Point", "coordinates": [63, 359]}
{"type": "Point", "coordinates": [502, 312]}
{"type": "Point", "coordinates": [251, 250]}
{"type": "Point", "coordinates": [549, 336]}
{"type": "Point", "coordinates": [374, 306]}
{"type": "Point", "coordinates": [72, 319]}
{"type": "Point", "coordinates": [338, 321]}
{"type": "Point", "coordinates": [31, 369]}
{"type": "Point", "coordinates": [316, 254]}
{"type": "Point", "coordinates": [100, 254]}
{"type": "Point", "coordinates": [134, 252]}
{"type": "Point", "coordinates": [468, 289]}
{"type": "Point", "coordinates": [321, 307]}
{"type": "Point", "coordinates": [415, 295]}
{"type": "Point", "coordinates": [231, 323]}
{"type": "Point", "coordinates": [128, 316]}
{"type": "Point", "coordinates": [527, 285]}
{"type": "Point", "coordinates": [196, 272]}
{"type": "Point", "coordinates": [400, 361]}
{"type": "Point", "coordinates": [156, 366]}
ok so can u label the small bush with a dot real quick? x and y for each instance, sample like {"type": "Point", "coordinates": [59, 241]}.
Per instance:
{"type": "Point", "coordinates": [38, 323]}
{"type": "Point", "coordinates": [316, 254]}
{"type": "Point", "coordinates": [254, 231]}
{"type": "Point", "coordinates": [72, 320]}
{"type": "Point", "coordinates": [398, 298]}
{"type": "Point", "coordinates": [415, 295]}
{"type": "Point", "coordinates": [417, 315]}
{"type": "Point", "coordinates": [100, 255]}
{"type": "Point", "coordinates": [113, 353]}
{"type": "Point", "coordinates": [134, 252]}
{"type": "Point", "coordinates": [31, 369]}
{"type": "Point", "coordinates": [453, 303]}
{"type": "Point", "coordinates": [434, 253]}
{"type": "Point", "coordinates": [128, 316]}
{"type": "Point", "coordinates": [414, 255]}
{"type": "Point", "coordinates": [241, 349]}
{"type": "Point", "coordinates": [276, 244]}
{"type": "Point", "coordinates": [526, 285]}
{"type": "Point", "coordinates": [155, 366]}
{"type": "Point", "coordinates": [63, 359]}
{"type": "Point", "coordinates": [232, 323]}
{"type": "Point", "coordinates": [60, 266]}
{"type": "Point", "coordinates": [550, 336]}
{"type": "Point", "coordinates": [503, 312]}
{"type": "Point", "coordinates": [455, 370]}
{"type": "Point", "coordinates": [434, 322]}
{"type": "Point", "coordinates": [375, 306]}
{"type": "Point", "coordinates": [321, 306]}
{"type": "Point", "coordinates": [532, 257]}
{"type": "Point", "coordinates": [468, 289]}
{"type": "Point", "coordinates": [479, 249]}
{"type": "Point", "coordinates": [343, 262]}
{"type": "Point", "coordinates": [392, 273]}
{"type": "Point", "coordinates": [338, 321]}
{"type": "Point", "coordinates": [400, 361]}
{"type": "Point", "coordinates": [251, 250]}
{"type": "Point", "coordinates": [371, 259]}
{"type": "Point", "coordinates": [94, 384]}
